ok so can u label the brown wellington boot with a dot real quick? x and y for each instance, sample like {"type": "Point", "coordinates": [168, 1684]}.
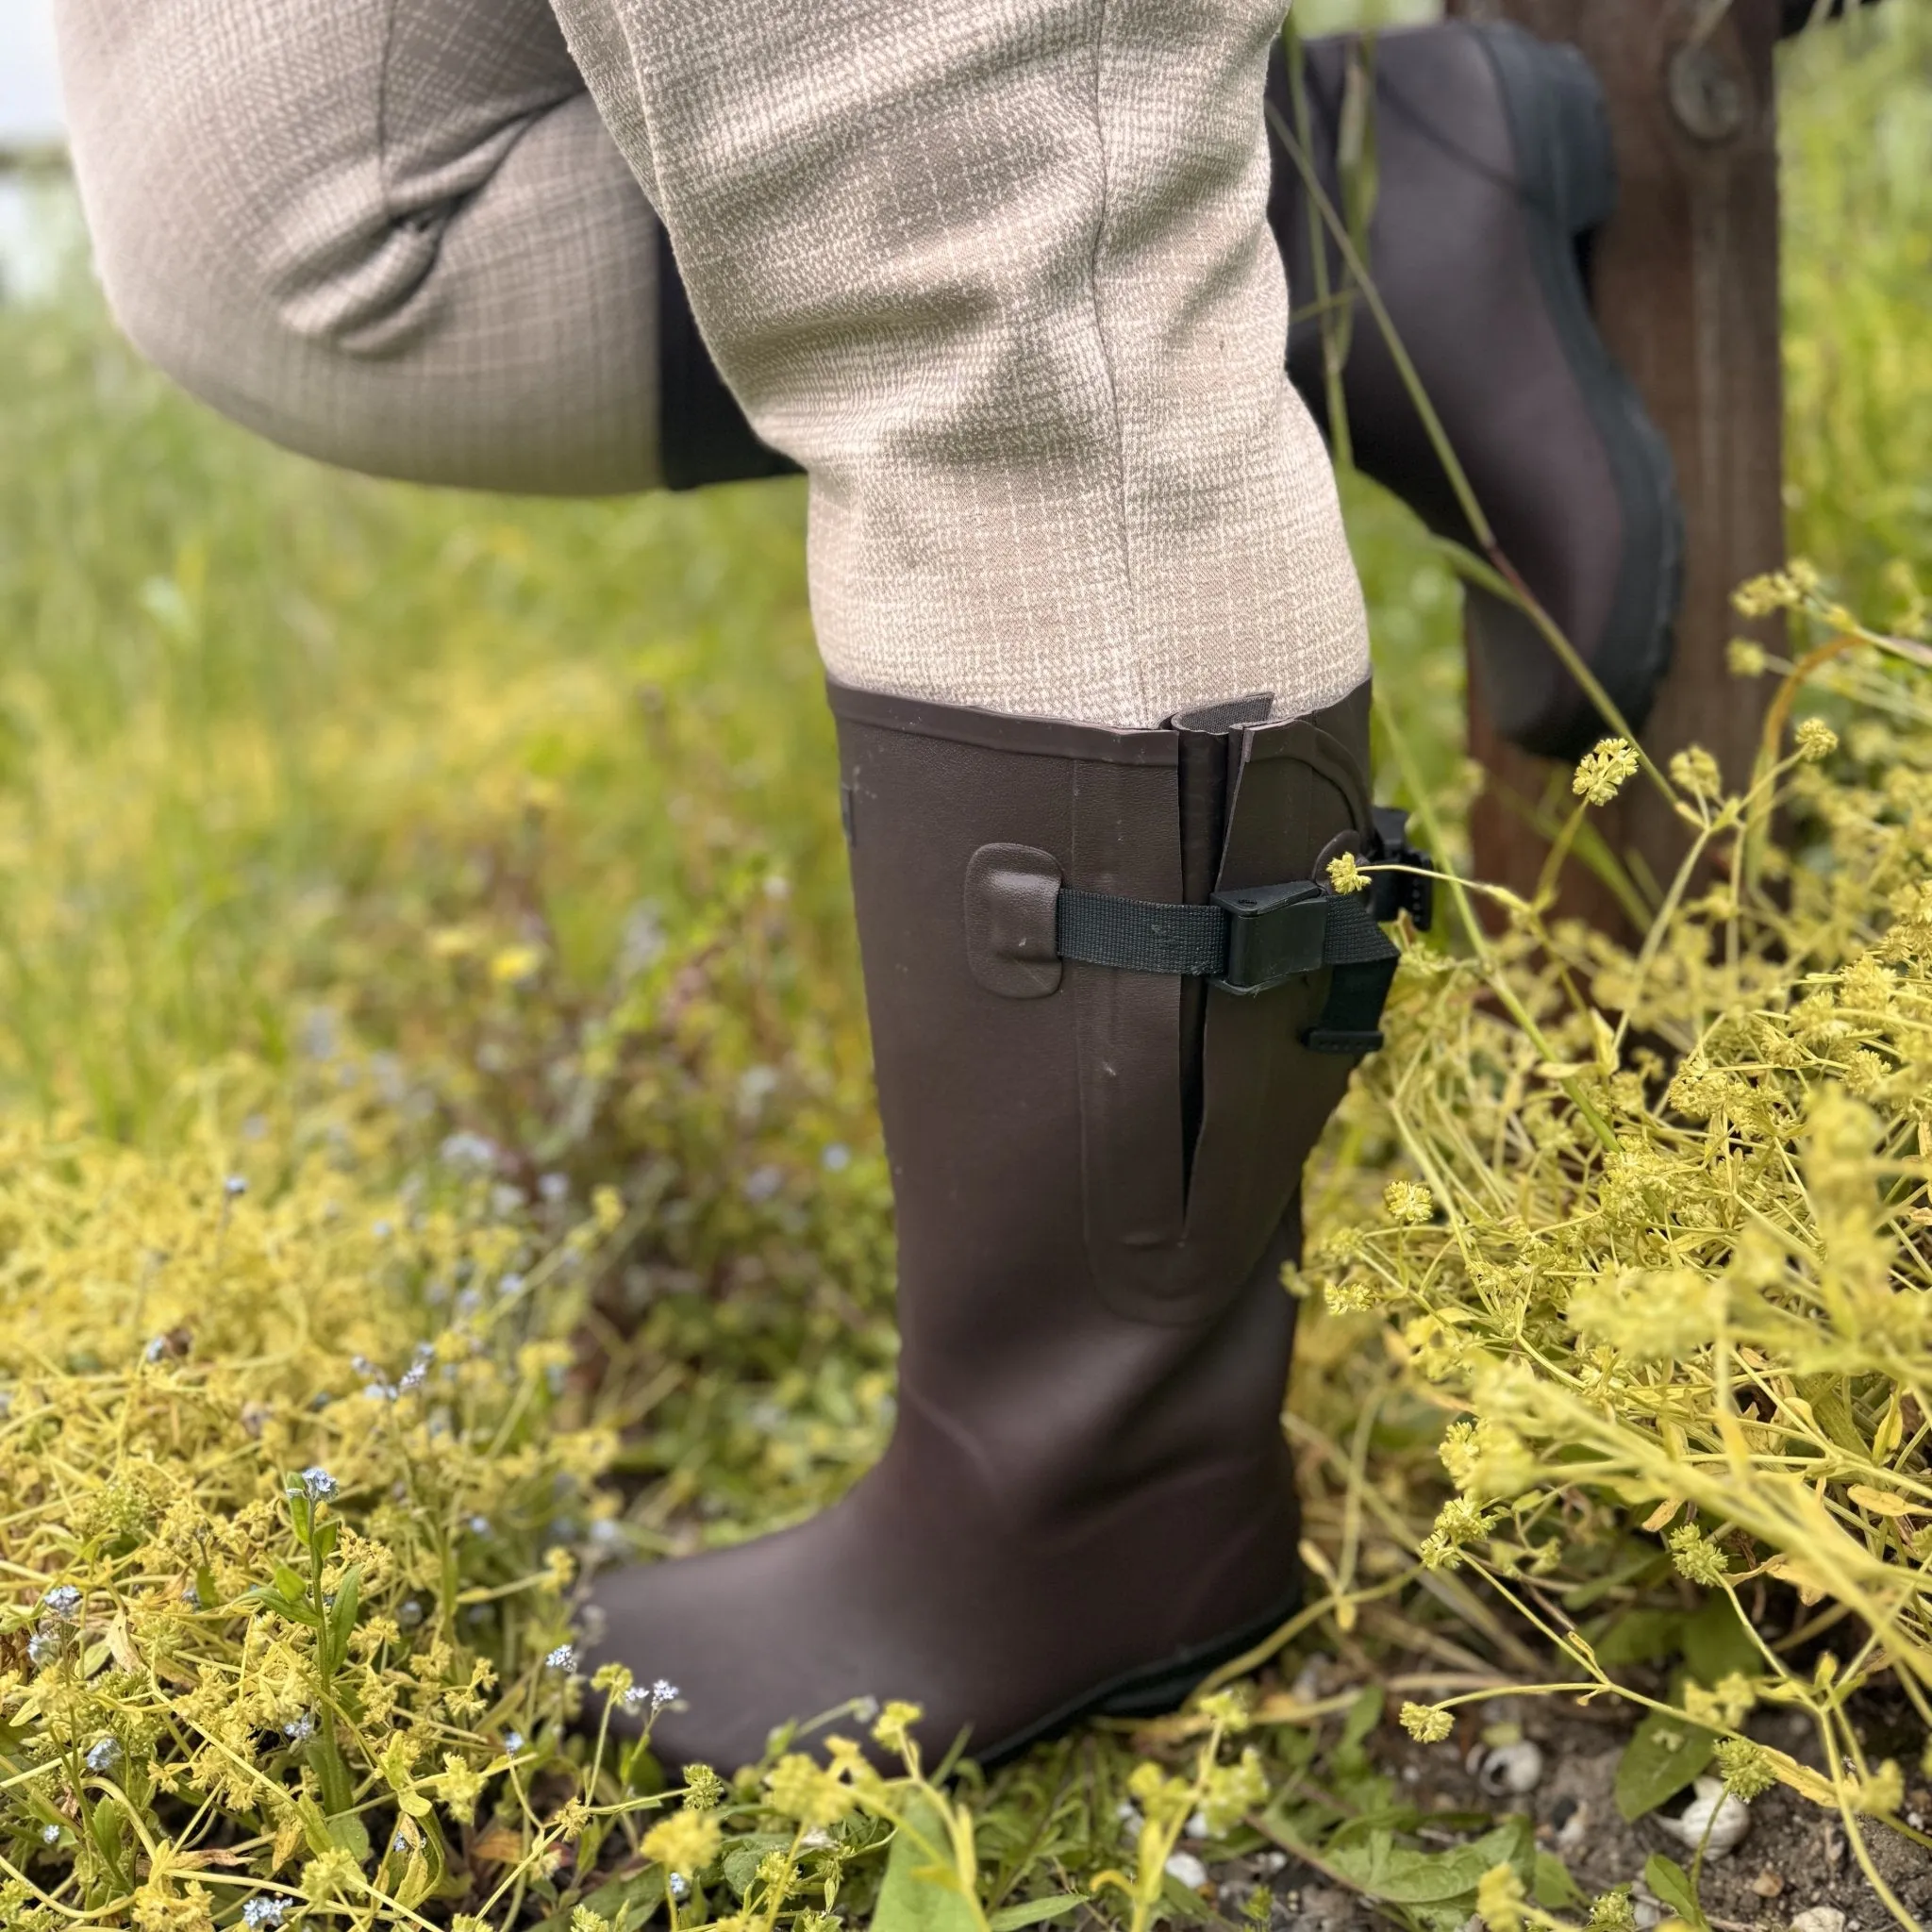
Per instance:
{"type": "Point", "coordinates": [1087, 1502]}
{"type": "Point", "coordinates": [1492, 167]}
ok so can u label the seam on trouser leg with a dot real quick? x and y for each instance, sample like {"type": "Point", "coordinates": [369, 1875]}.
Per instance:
{"type": "Point", "coordinates": [1131, 673]}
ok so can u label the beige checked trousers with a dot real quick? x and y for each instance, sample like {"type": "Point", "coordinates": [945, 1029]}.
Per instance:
{"type": "Point", "coordinates": [996, 274]}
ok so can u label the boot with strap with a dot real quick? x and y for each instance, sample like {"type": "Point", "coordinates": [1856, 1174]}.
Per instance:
{"type": "Point", "coordinates": [1113, 1002]}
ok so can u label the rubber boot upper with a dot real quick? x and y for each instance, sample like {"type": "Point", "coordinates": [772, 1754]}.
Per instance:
{"type": "Point", "coordinates": [1087, 1496]}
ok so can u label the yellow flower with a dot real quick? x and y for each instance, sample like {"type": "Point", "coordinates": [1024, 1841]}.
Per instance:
{"type": "Point", "coordinates": [895, 1726]}
{"type": "Point", "coordinates": [1816, 741]}
{"type": "Point", "coordinates": [1600, 773]}
{"type": "Point", "coordinates": [803, 1789]}
{"type": "Point", "coordinates": [685, 1842]}
{"type": "Point", "coordinates": [1427, 1723]}
{"type": "Point", "coordinates": [1346, 875]}
{"type": "Point", "coordinates": [333, 1876]}
{"type": "Point", "coordinates": [516, 965]}
{"type": "Point", "coordinates": [1408, 1202]}
{"type": "Point", "coordinates": [459, 1787]}
{"type": "Point", "coordinates": [1745, 1768]}
{"type": "Point", "coordinates": [1693, 770]}
{"type": "Point", "coordinates": [1499, 1898]}
{"type": "Point", "coordinates": [158, 1908]}
{"type": "Point", "coordinates": [1697, 1556]}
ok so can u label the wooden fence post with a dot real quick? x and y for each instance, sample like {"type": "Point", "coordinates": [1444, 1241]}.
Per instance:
{"type": "Point", "coordinates": [1686, 282]}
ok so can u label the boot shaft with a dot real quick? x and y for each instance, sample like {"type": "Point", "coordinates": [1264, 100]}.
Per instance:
{"type": "Point", "coordinates": [1096, 1169]}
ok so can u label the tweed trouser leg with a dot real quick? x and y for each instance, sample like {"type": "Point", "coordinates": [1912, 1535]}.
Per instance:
{"type": "Point", "coordinates": [996, 272]}
{"type": "Point", "coordinates": [393, 234]}
{"type": "Point", "coordinates": [998, 275]}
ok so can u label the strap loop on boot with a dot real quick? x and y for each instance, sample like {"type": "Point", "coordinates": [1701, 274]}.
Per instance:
{"type": "Point", "coordinates": [1247, 942]}
{"type": "Point", "coordinates": [1022, 923]}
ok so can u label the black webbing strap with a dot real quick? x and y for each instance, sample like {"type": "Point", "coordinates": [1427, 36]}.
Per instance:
{"type": "Point", "coordinates": [1140, 936]}
{"type": "Point", "coordinates": [1364, 960]}
{"type": "Point", "coordinates": [1249, 940]}
{"type": "Point", "coordinates": [1246, 942]}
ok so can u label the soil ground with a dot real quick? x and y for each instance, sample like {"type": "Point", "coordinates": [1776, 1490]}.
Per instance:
{"type": "Point", "coordinates": [1793, 1858]}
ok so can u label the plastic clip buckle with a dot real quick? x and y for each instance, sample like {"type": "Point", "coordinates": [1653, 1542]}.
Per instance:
{"type": "Point", "coordinates": [1274, 934]}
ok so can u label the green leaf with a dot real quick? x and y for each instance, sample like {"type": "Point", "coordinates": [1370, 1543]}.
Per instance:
{"type": "Point", "coordinates": [916, 1895]}
{"type": "Point", "coordinates": [1364, 1714]}
{"type": "Point", "coordinates": [1830, 1400]}
{"type": "Point", "coordinates": [1398, 1876]}
{"type": "Point", "coordinates": [314, 1827]}
{"type": "Point", "coordinates": [1034, 1911]}
{"type": "Point", "coordinates": [347, 1831]}
{"type": "Point", "coordinates": [1552, 1887]}
{"type": "Point", "coordinates": [342, 1617]}
{"type": "Point", "coordinates": [625, 1902]}
{"type": "Point", "coordinates": [413, 1887]}
{"type": "Point", "coordinates": [742, 1855]}
{"type": "Point", "coordinates": [272, 1599]}
{"type": "Point", "coordinates": [639, 1771]}
{"type": "Point", "coordinates": [1671, 1885]}
{"type": "Point", "coordinates": [108, 1823]}
{"type": "Point", "coordinates": [1664, 1754]}
{"type": "Point", "coordinates": [1182, 1901]}
{"type": "Point", "coordinates": [1716, 1644]}
{"type": "Point", "coordinates": [1640, 1636]}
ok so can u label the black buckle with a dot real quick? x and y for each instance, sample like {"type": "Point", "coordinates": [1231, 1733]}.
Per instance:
{"type": "Point", "coordinates": [1392, 893]}
{"type": "Point", "coordinates": [1274, 934]}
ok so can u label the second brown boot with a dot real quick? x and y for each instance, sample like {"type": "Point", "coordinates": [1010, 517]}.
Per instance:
{"type": "Point", "coordinates": [1492, 168]}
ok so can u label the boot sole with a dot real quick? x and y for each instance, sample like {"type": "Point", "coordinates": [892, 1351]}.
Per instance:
{"type": "Point", "coordinates": [1559, 126]}
{"type": "Point", "coordinates": [1150, 1691]}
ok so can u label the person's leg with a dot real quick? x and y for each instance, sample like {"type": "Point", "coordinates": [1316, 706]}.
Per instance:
{"type": "Point", "coordinates": [1492, 168]}
{"type": "Point", "coordinates": [998, 275]}
{"type": "Point", "coordinates": [1493, 164]}
{"type": "Point", "coordinates": [393, 234]}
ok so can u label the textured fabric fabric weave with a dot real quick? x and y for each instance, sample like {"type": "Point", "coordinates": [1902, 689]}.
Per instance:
{"type": "Point", "coordinates": [393, 234]}
{"type": "Point", "coordinates": [998, 275]}
{"type": "Point", "coordinates": [996, 272]}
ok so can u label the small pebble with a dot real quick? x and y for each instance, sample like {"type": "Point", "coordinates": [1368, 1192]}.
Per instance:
{"type": "Point", "coordinates": [1189, 1869]}
{"type": "Point", "coordinates": [1574, 1827]}
{"type": "Point", "coordinates": [1819, 1919]}
{"type": "Point", "coordinates": [1767, 1884]}
{"type": "Point", "coordinates": [1510, 1770]}
{"type": "Point", "coordinates": [1714, 1819]}
{"type": "Point", "coordinates": [1307, 1688]}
